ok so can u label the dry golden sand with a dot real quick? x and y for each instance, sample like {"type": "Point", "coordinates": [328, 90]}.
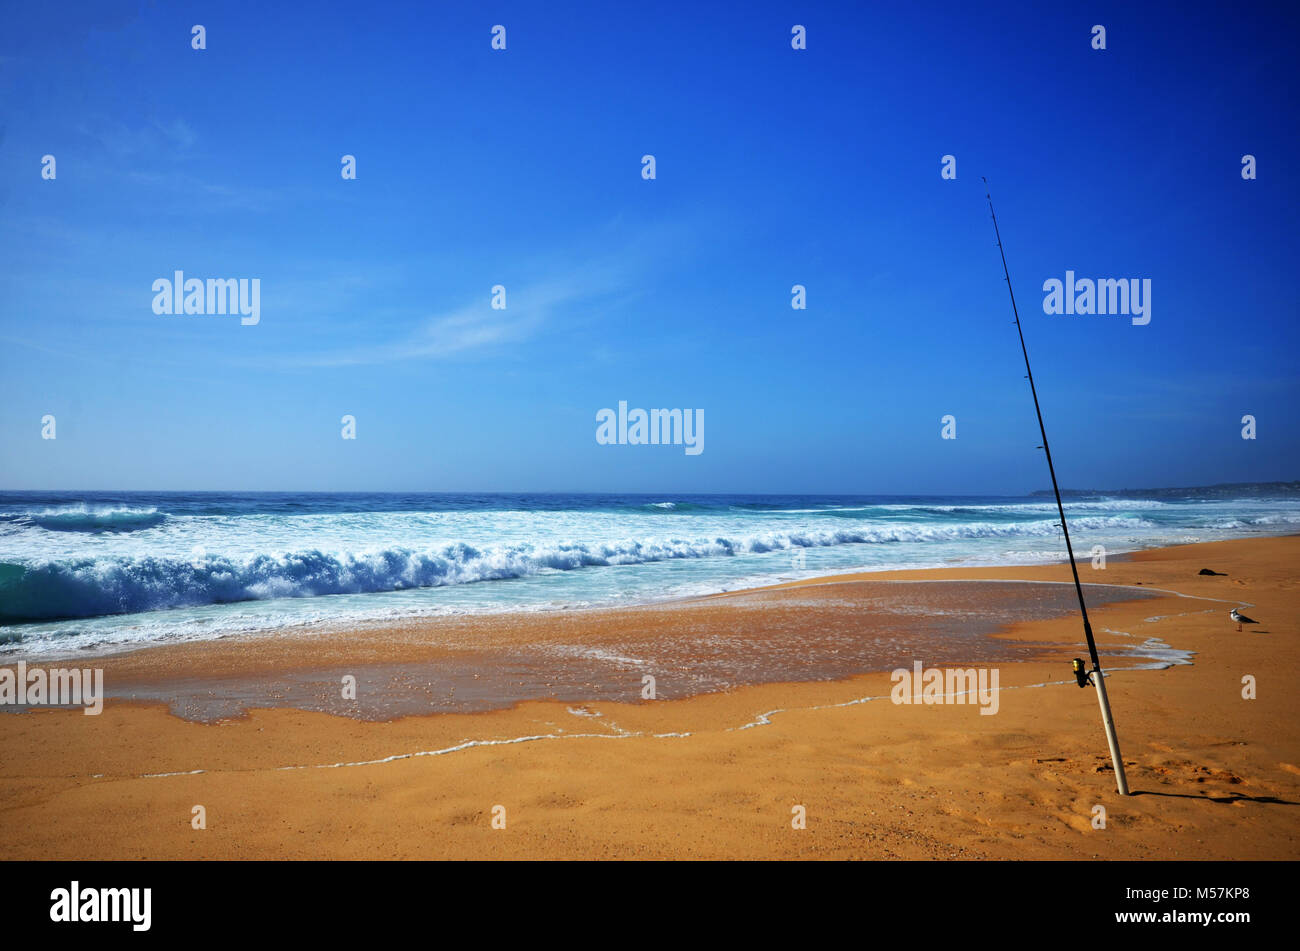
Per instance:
{"type": "Point", "coordinates": [710, 776]}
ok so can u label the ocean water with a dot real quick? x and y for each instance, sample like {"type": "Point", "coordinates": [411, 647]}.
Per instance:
{"type": "Point", "coordinates": [107, 571]}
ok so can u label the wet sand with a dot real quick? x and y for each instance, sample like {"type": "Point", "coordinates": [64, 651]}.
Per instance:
{"type": "Point", "coordinates": [762, 705]}
{"type": "Point", "coordinates": [808, 632]}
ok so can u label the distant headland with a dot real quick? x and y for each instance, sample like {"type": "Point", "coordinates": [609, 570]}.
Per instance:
{"type": "Point", "coordinates": [1224, 490]}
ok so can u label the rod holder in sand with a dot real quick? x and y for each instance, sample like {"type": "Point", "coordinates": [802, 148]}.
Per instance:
{"type": "Point", "coordinates": [1094, 678]}
{"type": "Point", "coordinates": [1099, 681]}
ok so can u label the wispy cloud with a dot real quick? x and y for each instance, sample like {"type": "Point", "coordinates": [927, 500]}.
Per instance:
{"type": "Point", "coordinates": [210, 195]}
{"type": "Point", "coordinates": [152, 138]}
{"type": "Point", "coordinates": [476, 325]}
{"type": "Point", "coordinates": [580, 286]}
{"type": "Point", "coordinates": [160, 155]}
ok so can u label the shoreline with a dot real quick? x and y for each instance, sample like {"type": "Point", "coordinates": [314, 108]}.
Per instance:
{"type": "Point", "coordinates": [347, 623]}
{"type": "Point", "coordinates": [714, 775]}
{"type": "Point", "coordinates": [407, 663]}
{"type": "Point", "coordinates": [416, 668]}
{"type": "Point", "coordinates": [334, 627]}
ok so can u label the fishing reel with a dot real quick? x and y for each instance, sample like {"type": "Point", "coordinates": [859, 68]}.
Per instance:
{"type": "Point", "coordinates": [1081, 673]}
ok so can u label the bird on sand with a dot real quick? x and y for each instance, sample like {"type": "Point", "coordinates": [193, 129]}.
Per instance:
{"type": "Point", "coordinates": [1241, 619]}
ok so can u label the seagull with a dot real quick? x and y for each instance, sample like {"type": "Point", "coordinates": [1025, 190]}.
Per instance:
{"type": "Point", "coordinates": [1241, 619]}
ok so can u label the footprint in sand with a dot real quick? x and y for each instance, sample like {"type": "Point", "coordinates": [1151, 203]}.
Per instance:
{"type": "Point", "coordinates": [1205, 774]}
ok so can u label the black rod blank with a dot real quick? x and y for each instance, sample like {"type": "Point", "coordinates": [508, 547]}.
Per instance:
{"type": "Point", "coordinates": [1060, 508]}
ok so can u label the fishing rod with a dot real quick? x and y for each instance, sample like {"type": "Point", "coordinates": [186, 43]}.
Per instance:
{"type": "Point", "coordinates": [1095, 676]}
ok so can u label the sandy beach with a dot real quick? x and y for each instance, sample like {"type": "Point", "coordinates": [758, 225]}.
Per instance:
{"type": "Point", "coordinates": [765, 701]}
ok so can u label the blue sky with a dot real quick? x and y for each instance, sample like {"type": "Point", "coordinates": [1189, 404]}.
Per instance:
{"type": "Point", "coordinates": [523, 168]}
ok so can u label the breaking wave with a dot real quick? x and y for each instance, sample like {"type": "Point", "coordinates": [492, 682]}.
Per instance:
{"type": "Point", "coordinates": [82, 518]}
{"type": "Point", "coordinates": [96, 586]}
